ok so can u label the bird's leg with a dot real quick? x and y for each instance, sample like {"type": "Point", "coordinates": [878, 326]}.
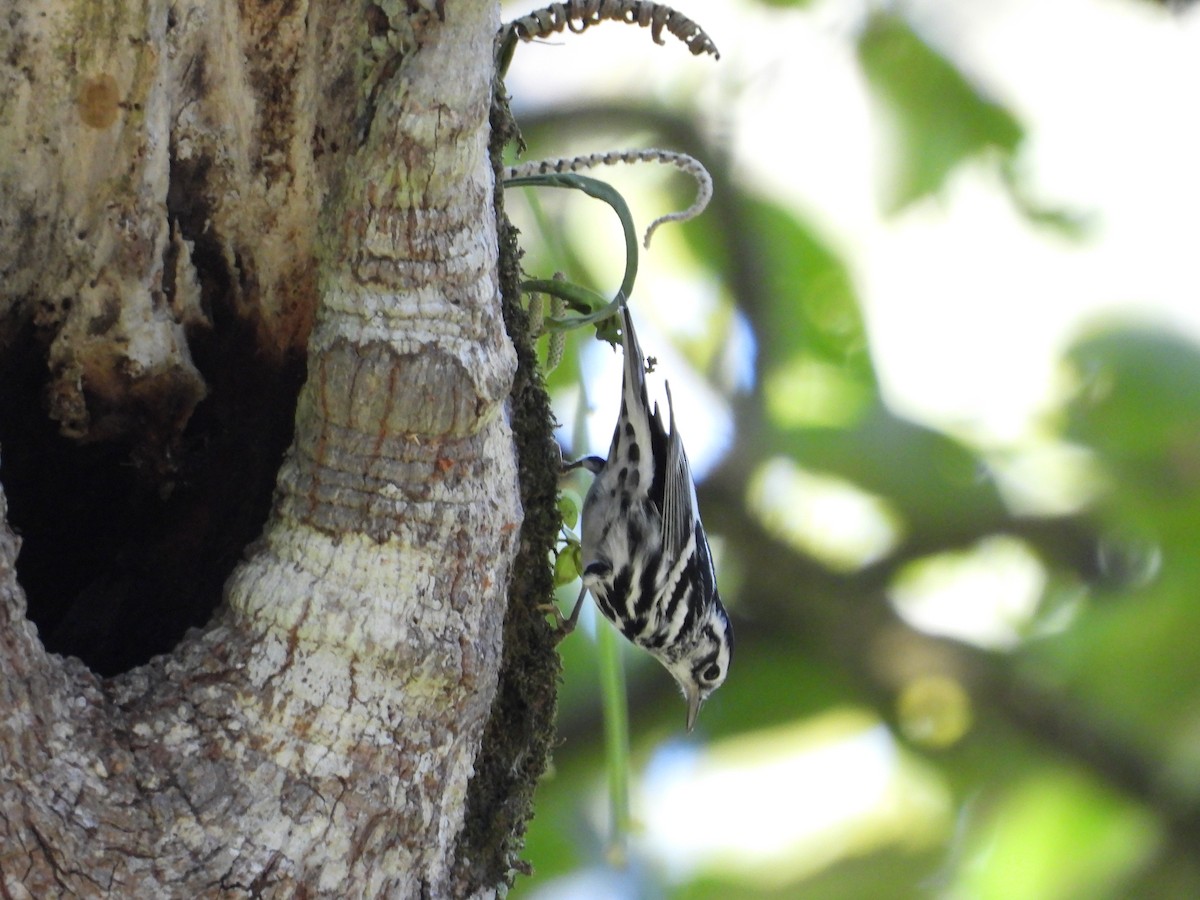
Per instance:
{"type": "Point", "coordinates": [566, 624]}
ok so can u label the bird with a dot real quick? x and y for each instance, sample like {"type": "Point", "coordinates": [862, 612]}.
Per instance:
{"type": "Point", "coordinates": [645, 555]}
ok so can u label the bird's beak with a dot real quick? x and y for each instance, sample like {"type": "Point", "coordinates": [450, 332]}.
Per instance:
{"type": "Point", "coordinates": [694, 702]}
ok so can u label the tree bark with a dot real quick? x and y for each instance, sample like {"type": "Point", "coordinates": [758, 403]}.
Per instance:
{"type": "Point", "coordinates": [257, 182]}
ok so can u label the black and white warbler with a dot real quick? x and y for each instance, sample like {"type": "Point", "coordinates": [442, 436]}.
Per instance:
{"type": "Point", "coordinates": [646, 557]}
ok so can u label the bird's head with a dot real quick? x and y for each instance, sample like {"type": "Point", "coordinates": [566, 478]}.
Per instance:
{"type": "Point", "coordinates": [704, 663]}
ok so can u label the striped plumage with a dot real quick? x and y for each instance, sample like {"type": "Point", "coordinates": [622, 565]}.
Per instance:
{"type": "Point", "coordinates": [646, 557]}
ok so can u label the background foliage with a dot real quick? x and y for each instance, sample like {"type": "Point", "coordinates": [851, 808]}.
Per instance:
{"type": "Point", "coordinates": [966, 667]}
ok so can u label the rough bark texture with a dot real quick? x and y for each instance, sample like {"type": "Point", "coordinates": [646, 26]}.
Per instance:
{"type": "Point", "coordinates": [190, 196]}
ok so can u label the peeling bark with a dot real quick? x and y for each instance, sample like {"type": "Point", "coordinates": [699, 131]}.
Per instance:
{"type": "Point", "coordinates": [200, 192]}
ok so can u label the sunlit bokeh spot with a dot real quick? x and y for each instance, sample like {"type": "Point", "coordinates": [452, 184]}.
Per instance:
{"type": "Point", "coordinates": [988, 595]}
{"type": "Point", "coordinates": [934, 710]}
{"type": "Point", "coordinates": [814, 393]}
{"type": "Point", "coordinates": [773, 806]}
{"type": "Point", "coordinates": [825, 517]}
{"type": "Point", "coordinates": [1046, 478]}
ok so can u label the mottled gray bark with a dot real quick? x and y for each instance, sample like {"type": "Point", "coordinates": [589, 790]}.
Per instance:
{"type": "Point", "coordinates": [321, 174]}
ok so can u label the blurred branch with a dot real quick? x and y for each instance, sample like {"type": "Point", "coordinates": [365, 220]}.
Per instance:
{"type": "Point", "coordinates": [846, 619]}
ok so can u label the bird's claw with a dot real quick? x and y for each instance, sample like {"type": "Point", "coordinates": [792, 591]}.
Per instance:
{"type": "Point", "coordinates": [563, 625]}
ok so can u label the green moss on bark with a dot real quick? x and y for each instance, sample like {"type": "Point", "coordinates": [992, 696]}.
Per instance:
{"type": "Point", "coordinates": [520, 732]}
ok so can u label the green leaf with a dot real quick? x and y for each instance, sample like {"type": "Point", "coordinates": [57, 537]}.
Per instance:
{"type": "Point", "coordinates": [568, 564]}
{"type": "Point", "coordinates": [940, 118]}
{"type": "Point", "coordinates": [568, 508]}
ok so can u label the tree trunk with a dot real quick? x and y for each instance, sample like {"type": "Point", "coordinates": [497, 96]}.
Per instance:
{"type": "Point", "coordinates": [192, 196]}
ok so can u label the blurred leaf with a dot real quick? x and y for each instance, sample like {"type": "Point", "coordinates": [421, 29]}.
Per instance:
{"type": "Point", "coordinates": [1135, 658]}
{"type": "Point", "coordinates": [812, 305]}
{"type": "Point", "coordinates": [1056, 835]}
{"type": "Point", "coordinates": [1072, 224]}
{"type": "Point", "coordinates": [1132, 651]}
{"type": "Point", "coordinates": [940, 118]}
{"type": "Point", "coordinates": [802, 301]}
{"type": "Point", "coordinates": [1138, 405]}
{"type": "Point", "coordinates": [817, 371]}
{"type": "Point", "coordinates": [935, 483]}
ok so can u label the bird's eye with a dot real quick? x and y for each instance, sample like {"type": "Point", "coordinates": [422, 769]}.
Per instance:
{"type": "Point", "coordinates": [712, 673]}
